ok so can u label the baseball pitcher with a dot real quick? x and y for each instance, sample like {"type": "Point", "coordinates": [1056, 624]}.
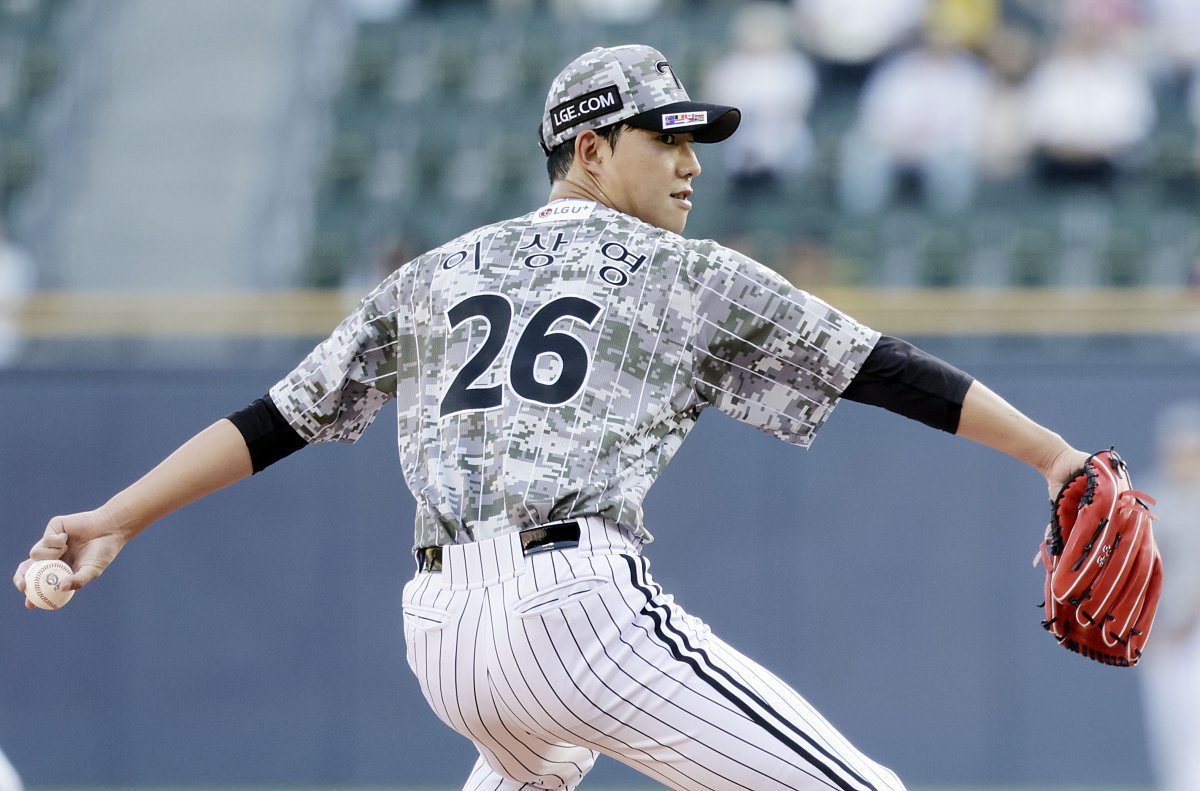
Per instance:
{"type": "Point", "coordinates": [545, 369]}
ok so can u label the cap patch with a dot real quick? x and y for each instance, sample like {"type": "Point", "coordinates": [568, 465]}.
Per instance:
{"type": "Point", "coordinates": [676, 120]}
{"type": "Point", "coordinates": [586, 107]}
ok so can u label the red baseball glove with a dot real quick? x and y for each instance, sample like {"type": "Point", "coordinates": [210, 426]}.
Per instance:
{"type": "Point", "coordinates": [1103, 569]}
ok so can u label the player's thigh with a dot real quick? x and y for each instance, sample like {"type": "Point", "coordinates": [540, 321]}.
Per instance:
{"type": "Point", "coordinates": [611, 663]}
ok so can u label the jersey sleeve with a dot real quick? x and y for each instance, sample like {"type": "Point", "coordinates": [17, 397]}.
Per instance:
{"type": "Point", "coordinates": [770, 354]}
{"type": "Point", "coordinates": [339, 388]}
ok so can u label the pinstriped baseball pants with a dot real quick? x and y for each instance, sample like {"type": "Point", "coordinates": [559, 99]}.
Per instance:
{"type": "Point", "coordinates": [544, 661]}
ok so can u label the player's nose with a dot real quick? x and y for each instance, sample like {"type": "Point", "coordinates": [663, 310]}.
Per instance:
{"type": "Point", "coordinates": [689, 165]}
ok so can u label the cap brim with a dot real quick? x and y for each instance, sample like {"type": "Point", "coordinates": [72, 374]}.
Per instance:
{"type": "Point", "coordinates": [707, 123]}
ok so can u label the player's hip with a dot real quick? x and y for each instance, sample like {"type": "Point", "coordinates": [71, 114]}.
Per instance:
{"type": "Point", "coordinates": [508, 602]}
{"type": "Point", "coordinates": [587, 651]}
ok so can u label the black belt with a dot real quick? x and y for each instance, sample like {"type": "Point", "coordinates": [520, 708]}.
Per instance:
{"type": "Point", "coordinates": [556, 535]}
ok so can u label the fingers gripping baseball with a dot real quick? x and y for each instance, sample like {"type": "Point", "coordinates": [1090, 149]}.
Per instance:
{"type": "Point", "coordinates": [87, 542]}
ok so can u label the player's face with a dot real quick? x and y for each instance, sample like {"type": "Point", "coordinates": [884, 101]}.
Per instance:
{"type": "Point", "coordinates": [649, 176]}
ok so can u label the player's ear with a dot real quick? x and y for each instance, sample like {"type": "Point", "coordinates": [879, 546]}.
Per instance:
{"type": "Point", "coordinates": [591, 150]}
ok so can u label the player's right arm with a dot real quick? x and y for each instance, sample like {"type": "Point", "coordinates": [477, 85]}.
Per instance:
{"type": "Point", "coordinates": [333, 395]}
{"type": "Point", "coordinates": [88, 541]}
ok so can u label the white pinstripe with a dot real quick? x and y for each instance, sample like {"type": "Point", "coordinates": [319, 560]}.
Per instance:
{"type": "Point", "coordinates": [547, 660]}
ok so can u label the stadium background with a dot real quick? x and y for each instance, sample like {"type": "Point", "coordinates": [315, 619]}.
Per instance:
{"type": "Point", "coordinates": [203, 188]}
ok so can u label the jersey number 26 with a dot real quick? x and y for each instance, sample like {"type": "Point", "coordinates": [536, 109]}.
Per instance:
{"type": "Point", "coordinates": [535, 340]}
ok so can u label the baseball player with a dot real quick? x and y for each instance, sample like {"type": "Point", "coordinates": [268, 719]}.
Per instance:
{"type": "Point", "coordinates": [9, 779]}
{"type": "Point", "coordinates": [545, 369]}
{"type": "Point", "coordinates": [1171, 682]}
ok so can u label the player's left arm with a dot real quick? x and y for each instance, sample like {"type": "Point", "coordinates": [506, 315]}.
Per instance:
{"type": "Point", "coordinates": [989, 419]}
{"type": "Point", "coordinates": [901, 378]}
{"type": "Point", "coordinates": [1103, 610]}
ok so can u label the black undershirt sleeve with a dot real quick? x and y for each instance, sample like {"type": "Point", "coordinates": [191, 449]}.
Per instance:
{"type": "Point", "coordinates": [901, 378]}
{"type": "Point", "coordinates": [268, 436]}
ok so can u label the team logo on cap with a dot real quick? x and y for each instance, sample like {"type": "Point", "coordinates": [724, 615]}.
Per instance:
{"type": "Point", "coordinates": [665, 68]}
{"type": "Point", "coordinates": [676, 120]}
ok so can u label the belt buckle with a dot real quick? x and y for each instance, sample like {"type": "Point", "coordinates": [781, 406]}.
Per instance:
{"type": "Point", "coordinates": [549, 537]}
{"type": "Point", "coordinates": [429, 559]}
{"type": "Point", "coordinates": [550, 546]}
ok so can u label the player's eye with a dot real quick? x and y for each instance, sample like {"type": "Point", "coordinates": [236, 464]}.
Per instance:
{"type": "Point", "coordinates": [668, 139]}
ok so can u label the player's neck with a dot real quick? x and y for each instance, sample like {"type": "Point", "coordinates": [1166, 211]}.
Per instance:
{"type": "Point", "coordinates": [574, 188]}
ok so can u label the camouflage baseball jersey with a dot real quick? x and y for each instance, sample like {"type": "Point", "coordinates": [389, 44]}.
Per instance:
{"type": "Point", "coordinates": [549, 366]}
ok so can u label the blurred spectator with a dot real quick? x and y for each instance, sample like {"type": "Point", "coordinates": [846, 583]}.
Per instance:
{"type": "Point", "coordinates": [1005, 146]}
{"type": "Point", "coordinates": [1193, 104]}
{"type": "Point", "coordinates": [607, 10]}
{"type": "Point", "coordinates": [1174, 43]}
{"type": "Point", "coordinates": [920, 122]}
{"type": "Point", "coordinates": [854, 34]}
{"type": "Point", "coordinates": [436, 5]}
{"type": "Point", "coordinates": [379, 10]}
{"type": "Point", "coordinates": [16, 283]}
{"type": "Point", "coordinates": [774, 85]}
{"type": "Point", "coordinates": [971, 23]}
{"type": "Point", "coordinates": [1088, 108]}
{"type": "Point", "coordinates": [809, 265]}
{"type": "Point", "coordinates": [1122, 22]}
{"type": "Point", "coordinates": [9, 779]}
{"type": "Point", "coordinates": [1171, 668]}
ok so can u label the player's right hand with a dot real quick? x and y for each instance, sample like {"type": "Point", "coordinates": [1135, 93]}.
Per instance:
{"type": "Point", "coordinates": [87, 542]}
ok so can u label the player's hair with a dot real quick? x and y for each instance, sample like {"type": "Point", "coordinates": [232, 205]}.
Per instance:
{"type": "Point", "coordinates": [563, 154]}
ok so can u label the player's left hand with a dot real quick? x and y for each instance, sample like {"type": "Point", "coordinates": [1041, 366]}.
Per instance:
{"type": "Point", "coordinates": [1062, 468]}
{"type": "Point", "coordinates": [1103, 569]}
{"type": "Point", "coordinates": [87, 542]}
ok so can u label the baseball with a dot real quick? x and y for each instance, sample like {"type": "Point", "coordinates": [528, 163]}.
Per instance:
{"type": "Point", "coordinates": [42, 580]}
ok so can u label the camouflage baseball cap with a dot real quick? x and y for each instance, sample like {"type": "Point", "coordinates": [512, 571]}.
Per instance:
{"type": "Point", "coordinates": [632, 83]}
